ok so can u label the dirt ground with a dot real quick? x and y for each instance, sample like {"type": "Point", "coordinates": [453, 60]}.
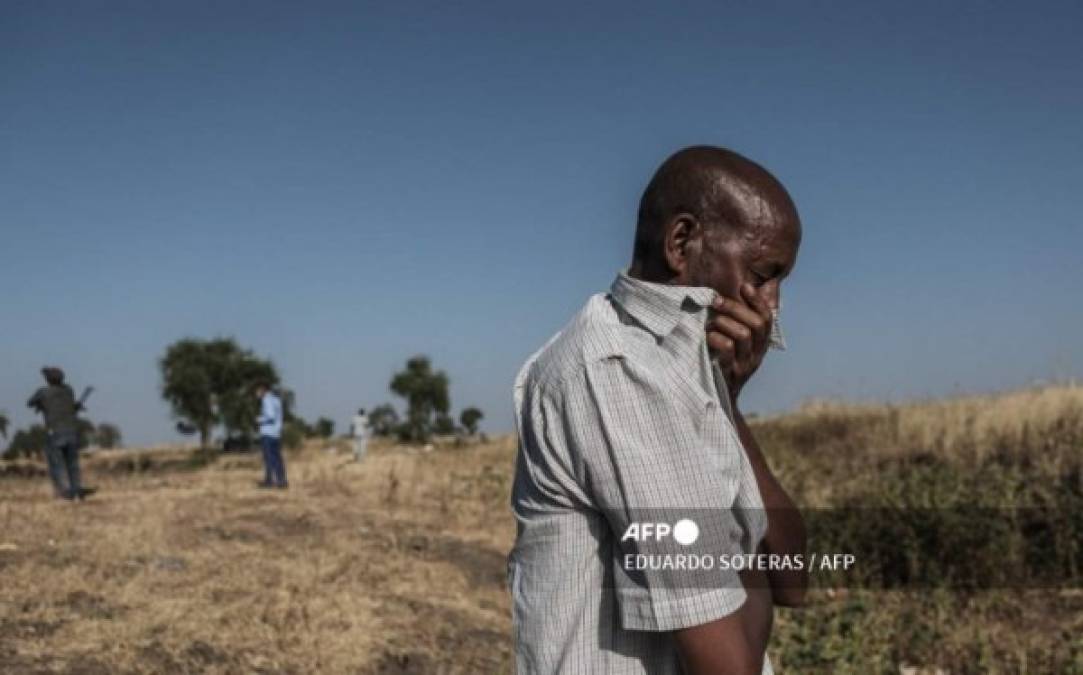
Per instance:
{"type": "Point", "coordinates": [394, 565]}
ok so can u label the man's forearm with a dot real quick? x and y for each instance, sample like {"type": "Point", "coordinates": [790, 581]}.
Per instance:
{"type": "Point", "coordinates": [785, 526]}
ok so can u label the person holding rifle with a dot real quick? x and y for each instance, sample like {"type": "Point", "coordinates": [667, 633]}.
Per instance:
{"type": "Point", "coordinates": [56, 402]}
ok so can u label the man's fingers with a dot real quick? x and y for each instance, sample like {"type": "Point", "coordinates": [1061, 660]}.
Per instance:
{"type": "Point", "coordinates": [723, 346]}
{"type": "Point", "coordinates": [755, 300]}
{"type": "Point", "coordinates": [739, 334]}
{"type": "Point", "coordinates": [759, 324]}
{"type": "Point", "coordinates": [740, 311]}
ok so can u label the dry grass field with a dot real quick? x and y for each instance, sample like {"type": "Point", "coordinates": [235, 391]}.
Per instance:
{"type": "Point", "coordinates": [396, 565]}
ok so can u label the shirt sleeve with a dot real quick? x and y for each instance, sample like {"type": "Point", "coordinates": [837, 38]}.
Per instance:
{"type": "Point", "coordinates": [666, 491]}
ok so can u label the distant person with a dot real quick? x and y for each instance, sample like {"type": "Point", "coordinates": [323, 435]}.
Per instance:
{"type": "Point", "coordinates": [270, 438]}
{"type": "Point", "coordinates": [56, 402]}
{"type": "Point", "coordinates": [630, 416]}
{"type": "Point", "coordinates": [360, 430]}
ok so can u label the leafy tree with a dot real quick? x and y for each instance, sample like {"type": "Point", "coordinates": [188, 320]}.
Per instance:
{"type": "Point", "coordinates": [444, 425]}
{"type": "Point", "coordinates": [469, 418]}
{"type": "Point", "coordinates": [210, 382]}
{"type": "Point", "coordinates": [426, 394]}
{"type": "Point", "coordinates": [85, 432]}
{"type": "Point", "coordinates": [324, 427]}
{"type": "Point", "coordinates": [383, 420]}
{"type": "Point", "coordinates": [107, 436]}
{"type": "Point", "coordinates": [294, 433]}
{"type": "Point", "coordinates": [295, 429]}
{"type": "Point", "coordinates": [3, 425]}
{"type": "Point", "coordinates": [28, 442]}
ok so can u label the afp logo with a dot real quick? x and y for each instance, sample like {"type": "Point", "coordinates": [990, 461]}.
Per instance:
{"type": "Point", "coordinates": [684, 532]}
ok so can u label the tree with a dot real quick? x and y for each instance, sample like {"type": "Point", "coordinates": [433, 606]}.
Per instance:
{"type": "Point", "coordinates": [211, 382]}
{"type": "Point", "coordinates": [324, 427]}
{"type": "Point", "coordinates": [295, 429]}
{"type": "Point", "coordinates": [84, 432]}
{"type": "Point", "coordinates": [294, 433]}
{"type": "Point", "coordinates": [3, 425]}
{"type": "Point", "coordinates": [426, 394]}
{"type": "Point", "coordinates": [107, 436]}
{"type": "Point", "coordinates": [28, 442]}
{"type": "Point", "coordinates": [383, 420]}
{"type": "Point", "coordinates": [469, 418]}
{"type": "Point", "coordinates": [444, 425]}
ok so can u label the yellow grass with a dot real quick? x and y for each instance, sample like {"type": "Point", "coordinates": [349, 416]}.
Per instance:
{"type": "Point", "coordinates": [393, 565]}
{"type": "Point", "coordinates": [978, 423]}
{"type": "Point", "coordinates": [396, 565]}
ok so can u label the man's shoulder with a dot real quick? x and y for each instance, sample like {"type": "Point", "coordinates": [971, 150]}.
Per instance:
{"type": "Point", "coordinates": [595, 333]}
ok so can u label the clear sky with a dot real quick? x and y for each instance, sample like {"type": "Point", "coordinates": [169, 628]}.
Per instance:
{"type": "Point", "coordinates": [341, 186]}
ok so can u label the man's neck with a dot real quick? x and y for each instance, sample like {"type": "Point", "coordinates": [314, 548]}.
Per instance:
{"type": "Point", "coordinates": [653, 273]}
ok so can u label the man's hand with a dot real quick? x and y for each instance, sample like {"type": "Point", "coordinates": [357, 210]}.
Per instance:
{"type": "Point", "coordinates": [738, 335]}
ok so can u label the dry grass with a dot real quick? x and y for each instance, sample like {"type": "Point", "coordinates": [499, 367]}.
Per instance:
{"type": "Point", "coordinates": [396, 565]}
{"type": "Point", "coordinates": [966, 428]}
{"type": "Point", "coordinates": [391, 566]}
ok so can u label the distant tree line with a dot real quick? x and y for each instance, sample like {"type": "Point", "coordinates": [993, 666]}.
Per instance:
{"type": "Point", "coordinates": [31, 441]}
{"type": "Point", "coordinates": [428, 406]}
{"type": "Point", "coordinates": [210, 385]}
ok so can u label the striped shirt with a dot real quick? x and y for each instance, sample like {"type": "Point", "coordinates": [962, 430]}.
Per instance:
{"type": "Point", "coordinates": [623, 419]}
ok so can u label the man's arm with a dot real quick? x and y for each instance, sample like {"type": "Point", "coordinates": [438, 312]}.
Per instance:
{"type": "Point", "coordinates": [35, 401]}
{"type": "Point", "coordinates": [739, 336]}
{"type": "Point", "coordinates": [644, 442]}
{"type": "Point", "coordinates": [785, 527]}
{"type": "Point", "coordinates": [727, 645]}
{"type": "Point", "coordinates": [733, 644]}
{"type": "Point", "coordinates": [738, 642]}
{"type": "Point", "coordinates": [265, 416]}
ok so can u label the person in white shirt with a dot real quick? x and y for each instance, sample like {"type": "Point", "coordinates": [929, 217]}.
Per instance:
{"type": "Point", "coordinates": [360, 431]}
{"type": "Point", "coordinates": [270, 438]}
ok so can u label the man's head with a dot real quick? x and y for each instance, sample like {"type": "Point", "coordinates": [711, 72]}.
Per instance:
{"type": "Point", "coordinates": [360, 411]}
{"type": "Point", "coordinates": [53, 375]}
{"type": "Point", "coordinates": [710, 217]}
{"type": "Point", "coordinates": [261, 389]}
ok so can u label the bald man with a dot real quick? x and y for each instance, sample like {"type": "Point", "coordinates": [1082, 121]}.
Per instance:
{"type": "Point", "coordinates": [633, 450]}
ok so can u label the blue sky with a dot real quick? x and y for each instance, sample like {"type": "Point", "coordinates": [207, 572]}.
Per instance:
{"type": "Point", "coordinates": [340, 186]}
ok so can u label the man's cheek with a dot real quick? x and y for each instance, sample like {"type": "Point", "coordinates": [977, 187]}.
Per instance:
{"type": "Point", "coordinates": [726, 280]}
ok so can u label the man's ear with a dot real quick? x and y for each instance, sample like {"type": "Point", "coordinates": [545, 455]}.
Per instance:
{"type": "Point", "coordinates": [683, 240]}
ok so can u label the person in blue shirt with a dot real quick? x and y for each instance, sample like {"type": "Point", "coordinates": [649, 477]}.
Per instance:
{"type": "Point", "coordinates": [270, 437]}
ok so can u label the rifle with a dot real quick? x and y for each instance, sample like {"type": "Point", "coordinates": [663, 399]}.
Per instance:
{"type": "Point", "coordinates": [81, 403]}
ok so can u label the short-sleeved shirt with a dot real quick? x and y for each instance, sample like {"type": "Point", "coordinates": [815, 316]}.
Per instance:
{"type": "Point", "coordinates": [623, 416]}
{"type": "Point", "coordinates": [57, 403]}
{"type": "Point", "coordinates": [270, 416]}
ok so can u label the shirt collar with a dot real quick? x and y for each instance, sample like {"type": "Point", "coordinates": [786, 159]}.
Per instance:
{"type": "Point", "coordinates": [659, 307]}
